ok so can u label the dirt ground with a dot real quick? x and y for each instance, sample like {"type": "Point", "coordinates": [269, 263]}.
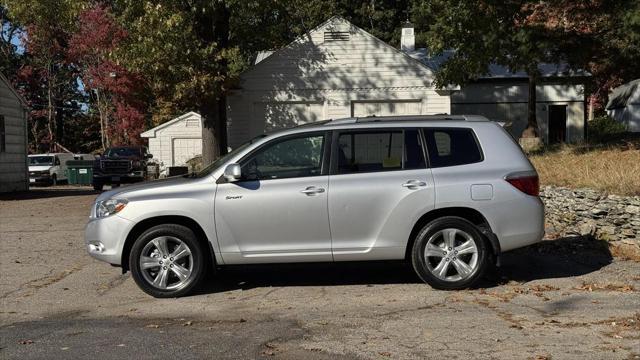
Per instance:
{"type": "Point", "coordinates": [562, 299]}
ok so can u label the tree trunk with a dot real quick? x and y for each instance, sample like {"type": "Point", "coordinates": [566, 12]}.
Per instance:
{"type": "Point", "coordinates": [532, 130]}
{"type": "Point", "coordinates": [211, 128]}
{"type": "Point", "coordinates": [215, 28]}
{"type": "Point", "coordinates": [50, 114]}
{"type": "Point", "coordinates": [59, 125]}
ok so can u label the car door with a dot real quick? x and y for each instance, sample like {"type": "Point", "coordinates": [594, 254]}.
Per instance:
{"type": "Point", "coordinates": [379, 187]}
{"type": "Point", "coordinates": [277, 212]}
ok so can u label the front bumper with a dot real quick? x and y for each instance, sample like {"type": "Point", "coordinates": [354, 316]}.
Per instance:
{"type": "Point", "coordinates": [105, 238]}
{"type": "Point", "coordinates": [132, 177]}
{"type": "Point", "coordinates": [40, 179]}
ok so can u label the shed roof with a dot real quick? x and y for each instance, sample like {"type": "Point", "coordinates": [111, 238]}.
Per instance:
{"type": "Point", "coordinates": [152, 132]}
{"type": "Point", "coordinates": [623, 95]}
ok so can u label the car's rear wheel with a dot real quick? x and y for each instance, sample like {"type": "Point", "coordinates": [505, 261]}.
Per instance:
{"type": "Point", "coordinates": [450, 253]}
{"type": "Point", "coordinates": [167, 261]}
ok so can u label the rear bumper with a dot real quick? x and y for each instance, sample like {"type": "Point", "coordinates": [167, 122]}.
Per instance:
{"type": "Point", "coordinates": [517, 223]}
{"type": "Point", "coordinates": [105, 238]}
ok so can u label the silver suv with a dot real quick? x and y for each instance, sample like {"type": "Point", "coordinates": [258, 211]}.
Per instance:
{"type": "Point", "coordinates": [447, 193]}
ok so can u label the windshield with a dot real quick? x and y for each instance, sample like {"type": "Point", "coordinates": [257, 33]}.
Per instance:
{"type": "Point", "coordinates": [122, 152]}
{"type": "Point", "coordinates": [216, 164]}
{"type": "Point", "coordinates": [40, 160]}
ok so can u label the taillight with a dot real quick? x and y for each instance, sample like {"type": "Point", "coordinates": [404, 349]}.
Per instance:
{"type": "Point", "coordinates": [526, 182]}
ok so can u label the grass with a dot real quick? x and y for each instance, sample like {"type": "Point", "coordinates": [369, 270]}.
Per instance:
{"type": "Point", "coordinates": [612, 167]}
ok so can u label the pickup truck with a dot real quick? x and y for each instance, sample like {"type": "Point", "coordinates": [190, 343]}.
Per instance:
{"type": "Point", "coordinates": [120, 165]}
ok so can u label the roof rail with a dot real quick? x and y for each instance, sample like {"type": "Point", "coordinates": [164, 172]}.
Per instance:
{"type": "Point", "coordinates": [438, 117]}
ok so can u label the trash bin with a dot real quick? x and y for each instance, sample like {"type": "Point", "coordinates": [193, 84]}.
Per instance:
{"type": "Point", "coordinates": [80, 172]}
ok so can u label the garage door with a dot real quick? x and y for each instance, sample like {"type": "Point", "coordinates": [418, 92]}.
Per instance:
{"type": "Point", "coordinates": [185, 149]}
{"type": "Point", "coordinates": [385, 108]}
{"type": "Point", "coordinates": [279, 115]}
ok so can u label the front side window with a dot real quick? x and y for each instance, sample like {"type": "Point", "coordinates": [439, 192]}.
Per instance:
{"type": "Point", "coordinates": [451, 147]}
{"type": "Point", "coordinates": [384, 150]}
{"type": "Point", "coordinates": [289, 158]}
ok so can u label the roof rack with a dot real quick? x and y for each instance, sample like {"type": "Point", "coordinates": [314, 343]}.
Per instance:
{"type": "Point", "coordinates": [438, 117]}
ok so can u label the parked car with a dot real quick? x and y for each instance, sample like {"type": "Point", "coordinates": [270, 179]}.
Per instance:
{"type": "Point", "coordinates": [48, 168]}
{"type": "Point", "coordinates": [449, 194]}
{"type": "Point", "coordinates": [120, 165]}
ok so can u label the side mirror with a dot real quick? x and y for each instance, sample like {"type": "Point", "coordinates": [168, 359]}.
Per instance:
{"type": "Point", "coordinates": [232, 172]}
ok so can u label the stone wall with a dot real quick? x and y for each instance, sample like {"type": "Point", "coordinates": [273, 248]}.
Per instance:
{"type": "Point", "coordinates": [585, 212]}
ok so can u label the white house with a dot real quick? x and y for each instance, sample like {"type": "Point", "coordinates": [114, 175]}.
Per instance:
{"type": "Point", "coordinates": [339, 70]}
{"type": "Point", "coordinates": [13, 139]}
{"type": "Point", "coordinates": [177, 140]}
{"type": "Point", "coordinates": [336, 70]}
{"type": "Point", "coordinates": [624, 105]}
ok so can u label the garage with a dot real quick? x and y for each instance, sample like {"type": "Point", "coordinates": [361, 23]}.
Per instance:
{"type": "Point", "coordinates": [185, 149]}
{"type": "Point", "coordinates": [385, 108]}
{"type": "Point", "coordinates": [176, 141]}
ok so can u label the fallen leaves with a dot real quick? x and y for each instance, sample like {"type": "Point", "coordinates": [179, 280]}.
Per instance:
{"type": "Point", "coordinates": [608, 287]}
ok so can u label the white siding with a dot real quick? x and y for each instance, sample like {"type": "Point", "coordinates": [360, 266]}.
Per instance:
{"type": "Point", "coordinates": [312, 79]}
{"type": "Point", "coordinates": [176, 141]}
{"type": "Point", "coordinates": [13, 161]}
{"type": "Point", "coordinates": [507, 102]}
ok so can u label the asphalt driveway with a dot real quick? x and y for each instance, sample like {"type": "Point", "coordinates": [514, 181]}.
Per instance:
{"type": "Point", "coordinates": [566, 299]}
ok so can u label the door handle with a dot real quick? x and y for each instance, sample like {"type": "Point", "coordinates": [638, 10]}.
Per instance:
{"type": "Point", "coordinates": [414, 184]}
{"type": "Point", "coordinates": [312, 190]}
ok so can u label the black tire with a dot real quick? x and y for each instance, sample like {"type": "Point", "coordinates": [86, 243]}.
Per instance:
{"type": "Point", "coordinates": [197, 261]}
{"type": "Point", "coordinates": [54, 180]}
{"type": "Point", "coordinates": [98, 186]}
{"type": "Point", "coordinates": [435, 229]}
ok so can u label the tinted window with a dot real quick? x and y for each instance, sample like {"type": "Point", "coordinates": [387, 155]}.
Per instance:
{"type": "Point", "coordinates": [379, 151]}
{"type": "Point", "coordinates": [451, 147]}
{"type": "Point", "coordinates": [123, 152]}
{"type": "Point", "coordinates": [292, 157]}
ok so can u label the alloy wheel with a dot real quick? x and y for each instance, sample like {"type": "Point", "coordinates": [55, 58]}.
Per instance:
{"type": "Point", "coordinates": [166, 263]}
{"type": "Point", "coordinates": [451, 255]}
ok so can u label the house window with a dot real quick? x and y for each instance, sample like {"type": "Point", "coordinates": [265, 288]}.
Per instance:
{"type": "Point", "coordinates": [3, 135]}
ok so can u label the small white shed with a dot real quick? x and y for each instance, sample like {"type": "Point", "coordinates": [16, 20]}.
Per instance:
{"type": "Point", "coordinates": [177, 140]}
{"type": "Point", "coordinates": [13, 139]}
{"type": "Point", "coordinates": [624, 105]}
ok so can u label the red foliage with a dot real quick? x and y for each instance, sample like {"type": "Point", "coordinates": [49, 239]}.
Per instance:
{"type": "Point", "coordinates": [98, 35]}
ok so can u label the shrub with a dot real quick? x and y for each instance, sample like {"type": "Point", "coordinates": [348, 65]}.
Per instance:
{"type": "Point", "coordinates": [604, 128]}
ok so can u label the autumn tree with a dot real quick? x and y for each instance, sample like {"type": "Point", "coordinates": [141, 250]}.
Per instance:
{"type": "Point", "coordinates": [598, 36]}
{"type": "Point", "coordinates": [44, 75]}
{"type": "Point", "coordinates": [484, 33]}
{"type": "Point", "coordinates": [115, 92]}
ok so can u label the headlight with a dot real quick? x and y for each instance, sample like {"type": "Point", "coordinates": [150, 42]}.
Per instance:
{"type": "Point", "coordinates": [109, 207]}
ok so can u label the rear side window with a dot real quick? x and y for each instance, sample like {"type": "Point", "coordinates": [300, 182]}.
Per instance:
{"type": "Point", "coordinates": [451, 147]}
{"type": "Point", "coordinates": [384, 150]}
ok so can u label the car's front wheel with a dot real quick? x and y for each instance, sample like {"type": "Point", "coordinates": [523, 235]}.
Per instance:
{"type": "Point", "coordinates": [450, 253]}
{"type": "Point", "coordinates": [167, 261]}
